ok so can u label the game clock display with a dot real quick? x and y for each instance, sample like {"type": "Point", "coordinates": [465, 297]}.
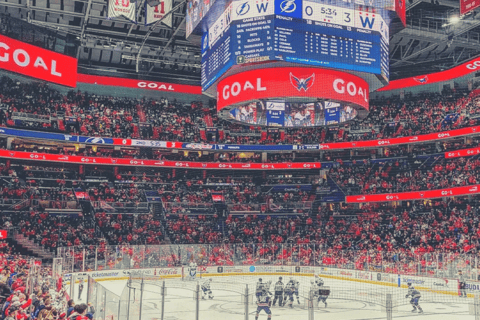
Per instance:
{"type": "Point", "coordinates": [297, 31]}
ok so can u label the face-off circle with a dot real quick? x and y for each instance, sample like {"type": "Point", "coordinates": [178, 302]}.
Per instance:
{"type": "Point", "coordinates": [292, 97]}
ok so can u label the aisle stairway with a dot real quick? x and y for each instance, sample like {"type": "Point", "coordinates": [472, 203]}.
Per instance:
{"type": "Point", "coordinates": [31, 246]}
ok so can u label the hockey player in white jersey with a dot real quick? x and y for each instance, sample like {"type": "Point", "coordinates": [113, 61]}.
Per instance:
{"type": "Point", "coordinates": [289, 292]}
{"type": "Point", "coordinates": [415, 297]}
{"type": "Point", "coordinates": [192, 270]}
{"type": "Point", "coordinates": [320, 292]}
{"type": "Point", "coordinates": [296, 287]}
{"type": "Point", "coordinates": [206, 289]}
{"type": "Point", "coordinates": [278, 292]}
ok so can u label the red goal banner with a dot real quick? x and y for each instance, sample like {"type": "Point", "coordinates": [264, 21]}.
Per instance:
{"type": "Point", "coordinates": [415, 195]}
{"type": "Point", "coordinates": [271, 83]}
{"type": "Point", "coordinates": [21, 155]}
{"type": "Point", "coordinates": [468, 5]}
{"type": "Point", "coordinates": [35, 62]}
{"type": "Point", "coordinates": [3, 234]}
{"type": "Point", "coordinates": [139, 84]}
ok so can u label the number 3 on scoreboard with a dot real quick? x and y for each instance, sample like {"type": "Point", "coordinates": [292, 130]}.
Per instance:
{"type": "Point", "coordinates": [347, 18]}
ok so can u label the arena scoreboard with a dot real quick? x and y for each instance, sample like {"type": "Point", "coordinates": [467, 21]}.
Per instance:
{"type": "Point", "coordinates": [344, 36]}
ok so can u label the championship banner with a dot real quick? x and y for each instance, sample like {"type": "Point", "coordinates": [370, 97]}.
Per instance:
{"type": "Point", "coordinates": [35, 62]}
{"type": "Point", "coordinates": [155, 13]}
{"type": "Point", "coordinates": [416, 195]}
{"type": "Point", "coordinates": [117, 8]}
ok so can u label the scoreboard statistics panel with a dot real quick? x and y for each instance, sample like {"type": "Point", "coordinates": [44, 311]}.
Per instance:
{"type": "Point", "coordinates": [217, 49]}
{"type": "Point", "coordinates": [304, 32]}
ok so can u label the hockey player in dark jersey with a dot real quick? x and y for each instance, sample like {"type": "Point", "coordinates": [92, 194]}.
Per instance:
{"type": "Point", "coordinates": [259, 288]}
{"type": "Point", "coordinates": [278, 292]}
{"type": "Point", "coordinates": [81, 280]}
{"type": "Point", "coordinates": [264, 302]}
{"type": "Point", "coordinates": [296, 286]}
{"type": "Point", "coordinates": [289, 292]}
{"type": "Point", "coordinates": [415, 297]}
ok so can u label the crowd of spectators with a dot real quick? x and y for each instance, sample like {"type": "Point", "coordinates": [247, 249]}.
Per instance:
{"type": "Point", "coordinates": [106, 116]}
{"type": "Point", "coordinates": [404, 175]}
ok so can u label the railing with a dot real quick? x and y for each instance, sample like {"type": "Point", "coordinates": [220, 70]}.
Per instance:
{"type": "Point", "coordinates": [187, 207]}
{"type": "Point", "coordinates": [30, 117]}
{"type": "Point", "coordinates": [438, 264]}
{"type": "Point", "coordinates": [121, 207]}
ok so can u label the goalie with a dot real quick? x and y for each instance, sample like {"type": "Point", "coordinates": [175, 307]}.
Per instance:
{"type": "Point", "coordinates": [206, 289]}
{"type": "Point", "coordinates": [192, 270]}
{"type": "Point", "coordinates": [415, 297]}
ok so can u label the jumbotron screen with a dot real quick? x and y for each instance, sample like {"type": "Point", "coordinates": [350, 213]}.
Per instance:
{"type": "Point", "coordinates": [288, 114]}
{"type": "Point", "coordinates": [345, 36]}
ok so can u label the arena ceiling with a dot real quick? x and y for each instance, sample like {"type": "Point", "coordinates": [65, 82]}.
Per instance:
{"type": "Point", "coordinates": [435, 39]}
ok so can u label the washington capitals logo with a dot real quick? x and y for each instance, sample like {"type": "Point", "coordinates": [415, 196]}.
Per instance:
{"type": "Point", "coordinates": [423, 79]}
{"type": "Point", "coordinates": [243, 9]}
{"type": "Point", "coordinates": [300, 84]}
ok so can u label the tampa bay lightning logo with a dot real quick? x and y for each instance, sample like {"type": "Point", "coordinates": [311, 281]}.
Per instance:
{"type": "Point", "coordinates": [423, 79]}
{"type": "Point", "coordinates": [95, 140]}
{"type": "Point", "coordinates": [288, 6]}
{"type": "Point", "coordinates": [243, 9]}
{"type": "Point", "coordinates": [300, 83]}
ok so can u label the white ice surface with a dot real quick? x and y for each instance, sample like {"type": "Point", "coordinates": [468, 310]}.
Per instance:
{"type": "Point", "coordinates": [180, 303]}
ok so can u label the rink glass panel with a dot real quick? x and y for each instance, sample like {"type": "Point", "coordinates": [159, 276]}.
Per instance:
{"type": "Point", "coordinates": [446, 265]}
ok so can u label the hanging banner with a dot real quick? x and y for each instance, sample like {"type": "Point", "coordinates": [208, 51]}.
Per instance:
{"type": "Point", "coordinates": [155, 13]}
{"type": "Point", "coordinates": [118, 8]}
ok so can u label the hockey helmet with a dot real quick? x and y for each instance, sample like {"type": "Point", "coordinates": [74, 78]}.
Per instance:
{"type": "Point", "coordinates": [280, 278]}
{"type": "Point", "coordinates": [260, 280]}
{"type": "Point", "coordinates": [409, 284]}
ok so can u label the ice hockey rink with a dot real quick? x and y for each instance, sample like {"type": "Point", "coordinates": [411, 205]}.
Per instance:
{"type": "Point", "coordinates": [348, 301]}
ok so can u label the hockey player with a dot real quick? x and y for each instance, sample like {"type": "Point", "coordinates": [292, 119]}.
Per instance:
{"type": "Point", "coordinates": [192, 270]}
{"type": "Point", "coordinates": [278, 292]}
{"type": "Point", "coordinates": [259, 289]}
{"type": "Point", "coordinates": [462, 284]}
{"type": "Point", "coordinates": [289, 291]}
{"type": "Point", "coordinates": [264, 303]}
{"type": "Point", "coordinates": [267, 285]}
{"type": "Point", "coordinates": [415, 296]}
{"type": "Point", "coordinates": [296, 286]}
{"type": "Point", "coordinates": [80, 287]}
{"type": "Point", "coordinates": [320, 292]}
{"type": "Point", "coordinates": [206, 289]}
